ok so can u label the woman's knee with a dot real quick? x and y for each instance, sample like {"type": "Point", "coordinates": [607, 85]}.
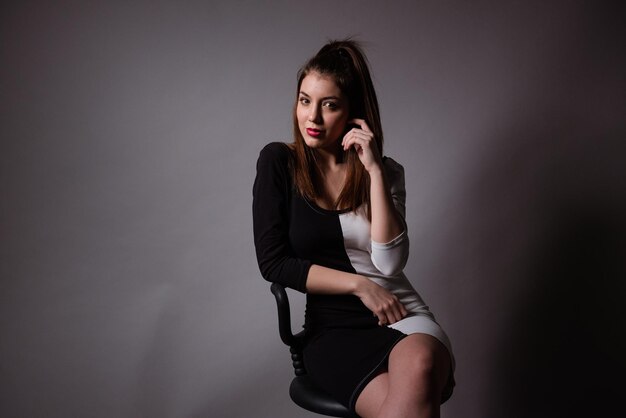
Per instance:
{"type": "Point", "coordinates": [418, 356]}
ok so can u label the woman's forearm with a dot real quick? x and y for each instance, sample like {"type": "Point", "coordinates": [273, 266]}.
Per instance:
{"type": "Point", "coordinates": [386, 222]}
{"type": "Point", "coordinates": [330, 281]}
{"type": "Point", "coordinates": [380, 301]}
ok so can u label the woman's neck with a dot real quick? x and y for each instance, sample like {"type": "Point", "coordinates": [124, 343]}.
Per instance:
{"type": "Point", "coordinates": [330, 161]}
{"type": "Point", "coordinates": [332, 169]}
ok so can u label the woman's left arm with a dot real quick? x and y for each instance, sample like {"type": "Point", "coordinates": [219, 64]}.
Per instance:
{"type": "Point", "coordinates": [386, 221]}
{"type": "Point", "coordinates": [388, 228]}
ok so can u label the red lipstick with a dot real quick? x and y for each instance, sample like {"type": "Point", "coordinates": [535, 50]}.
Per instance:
{"type": "Point", "coordinates": [313, 132]}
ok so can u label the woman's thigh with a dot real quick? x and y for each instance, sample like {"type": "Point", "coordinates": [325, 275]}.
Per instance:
{"type": "Point", "coordinates": [372, 396]}
{"type": "Point", "coordinates": [401, 379]}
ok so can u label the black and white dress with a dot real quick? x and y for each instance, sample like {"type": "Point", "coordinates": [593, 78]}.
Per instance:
{"type": "Point", "coordinates": [346, 346]}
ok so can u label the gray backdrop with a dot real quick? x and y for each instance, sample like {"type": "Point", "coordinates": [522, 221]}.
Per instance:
{"type": "Point", "coordinates": [130, 132]}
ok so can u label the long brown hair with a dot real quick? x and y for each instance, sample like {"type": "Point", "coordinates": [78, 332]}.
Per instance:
{"type": "Point", "coordinates": [346, 63]}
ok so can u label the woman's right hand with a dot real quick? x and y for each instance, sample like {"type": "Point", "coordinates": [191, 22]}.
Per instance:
{"type": "Point", "coordinates": [385, 305]}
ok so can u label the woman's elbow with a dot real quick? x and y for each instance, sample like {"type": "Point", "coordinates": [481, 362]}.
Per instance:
{"type": "Point", "coordinates": [269, 271]}
{"type": "Point", "coordinates": [289, 273]}
{"type": "Point", "coordinates": [390, 260]}
{"type": "Point", "coordinates": [391, 267]}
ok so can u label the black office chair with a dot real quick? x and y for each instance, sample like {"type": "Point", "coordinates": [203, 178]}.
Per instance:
{"type": "Point", "coordinates": [302, 390]}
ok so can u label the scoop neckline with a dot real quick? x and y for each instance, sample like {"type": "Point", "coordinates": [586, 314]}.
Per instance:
{"type": "Point", "coordinates": [318, 208]}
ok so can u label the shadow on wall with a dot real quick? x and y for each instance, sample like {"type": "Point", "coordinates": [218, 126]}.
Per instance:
{"type": "Point", "coordinates": [538, 248]}
{"type": "Point", "coordinates": [540, 253]}
{"type": "Point", "coordinates": [562, 351]}
{"type": "Point", "coordinates": [562, 354]}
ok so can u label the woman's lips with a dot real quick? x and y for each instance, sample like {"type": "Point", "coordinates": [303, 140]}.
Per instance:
{"type": "Point", "coordinates": [313, 132]}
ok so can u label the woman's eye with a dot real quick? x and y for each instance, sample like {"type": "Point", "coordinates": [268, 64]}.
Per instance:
{"type": "Point", "coordinates": [331, 105]}
{"type": "Point", "coordinates": [304, 100]}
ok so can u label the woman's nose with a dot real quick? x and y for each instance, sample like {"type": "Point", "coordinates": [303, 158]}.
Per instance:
{"type": "Point", "coordinates": [315, 115]}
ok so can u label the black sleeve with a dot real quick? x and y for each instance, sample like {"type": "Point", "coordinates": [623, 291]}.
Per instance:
{"type": "Point", "coordinates": [270, 206]}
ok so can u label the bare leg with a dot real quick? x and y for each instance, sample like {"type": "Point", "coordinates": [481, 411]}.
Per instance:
{"type": "Point", "coordinates": [372, 397]}
{"type": "Point", "coordinates": [411, 388]}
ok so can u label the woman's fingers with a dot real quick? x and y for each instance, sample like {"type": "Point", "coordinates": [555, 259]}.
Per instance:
{"type": "Point", "coordinates": [397, 311]}
{"type": "Point", "coordinates": [390, 311]}
{"type": "Point", "coordinates": [356, 137]}
{"type": "Point", "coordinates": [365, 147]}
{"type": "Point", "coordinates": [361, 123]}
{"type": "Point", "coordinates": [383, 304]}
{"type": "Point", "coordinates": [363, 129]}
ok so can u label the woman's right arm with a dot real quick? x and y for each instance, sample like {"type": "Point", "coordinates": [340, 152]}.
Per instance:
{"type": "Point", "coordinates": [385, 305]}
{"type": "Point", "coordinates": [270, 201]}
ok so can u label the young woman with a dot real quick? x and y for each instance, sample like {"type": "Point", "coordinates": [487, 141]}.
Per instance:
{"type": "Point", "coordinates": [329, 214]}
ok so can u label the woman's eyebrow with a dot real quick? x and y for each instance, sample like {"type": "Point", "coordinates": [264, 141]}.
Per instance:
{"type": "Point", "coordinates": [323, 98]}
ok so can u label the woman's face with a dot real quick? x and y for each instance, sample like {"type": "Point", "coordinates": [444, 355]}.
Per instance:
{"type": "Point", "coordinates": [322, 111]}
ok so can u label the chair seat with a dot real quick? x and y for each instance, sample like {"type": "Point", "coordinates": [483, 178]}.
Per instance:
{"type": "Point", "coordinates": [308, 396]}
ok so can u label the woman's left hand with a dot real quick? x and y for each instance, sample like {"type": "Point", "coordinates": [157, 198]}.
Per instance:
{"type": "Point", "coordinates": [362, 139]}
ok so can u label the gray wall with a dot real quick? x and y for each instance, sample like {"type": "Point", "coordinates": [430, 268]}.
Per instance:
{"type": "Point", "coordinates": [130, 132]}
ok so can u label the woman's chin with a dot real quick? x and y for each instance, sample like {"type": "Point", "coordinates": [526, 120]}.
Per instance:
{"type": "Point", "coordinates": [312, 142]}
{"type": "Point", "coordinates": [321, 143]}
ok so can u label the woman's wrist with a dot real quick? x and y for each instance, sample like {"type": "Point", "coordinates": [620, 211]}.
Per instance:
{"type": "Point", "coordinates": [360, 286]}
{"type": "Point", "coordinates": [375, 169]}
{"type": "Point", "coordinates": [378, 180]}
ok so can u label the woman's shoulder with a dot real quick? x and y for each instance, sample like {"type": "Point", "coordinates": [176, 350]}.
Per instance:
{"type": "Point", "coordinates": [276, 152]}
{"type": "Point", "coordinates": [275, 160]}
{"type": "Point", "coordinates": [276, 148]}
{"type": "Point", "coordinates": [395, 174]}
{"type": "Point", "coordinates": [392, 167]}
